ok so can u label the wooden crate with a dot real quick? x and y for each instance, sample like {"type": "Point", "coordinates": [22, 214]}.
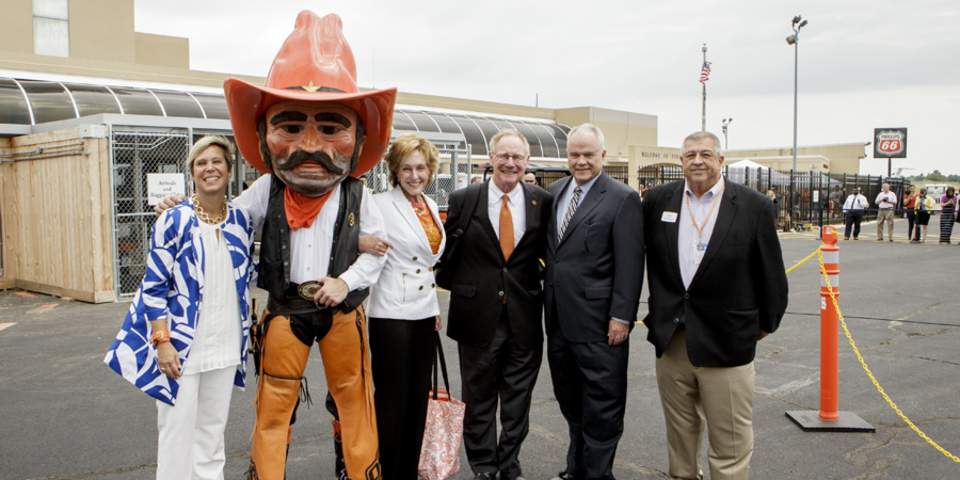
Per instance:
{"type": "Point", "coordinates": [57, 214]}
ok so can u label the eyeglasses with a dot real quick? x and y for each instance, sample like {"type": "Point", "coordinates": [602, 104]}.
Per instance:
{"type": "Point", "coordinates": [516, 157]}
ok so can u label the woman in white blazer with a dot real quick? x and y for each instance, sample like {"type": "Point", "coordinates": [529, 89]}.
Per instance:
{"type": "Point", "coordinates": [403, 311]}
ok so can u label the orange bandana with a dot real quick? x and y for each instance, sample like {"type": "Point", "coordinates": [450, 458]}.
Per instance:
{"type": "Point", "coordinates": [302, 210]}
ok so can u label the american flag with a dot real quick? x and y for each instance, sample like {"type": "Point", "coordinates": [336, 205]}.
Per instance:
{"type": "Point", "coordinates": [705, 72]}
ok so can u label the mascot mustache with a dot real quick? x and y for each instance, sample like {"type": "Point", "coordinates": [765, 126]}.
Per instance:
{"type": "Point", "coordinates": [300, 156]}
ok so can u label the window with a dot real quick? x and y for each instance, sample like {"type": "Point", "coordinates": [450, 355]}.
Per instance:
{"type": "Point", "coordinates": [51, 30]}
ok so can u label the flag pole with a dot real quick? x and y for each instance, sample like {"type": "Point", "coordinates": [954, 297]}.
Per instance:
{"type": "Point", "coordinates": [703, 115]}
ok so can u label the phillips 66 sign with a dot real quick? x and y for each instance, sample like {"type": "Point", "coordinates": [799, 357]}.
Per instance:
{"type": "Point", "coordinates": [889, 143]}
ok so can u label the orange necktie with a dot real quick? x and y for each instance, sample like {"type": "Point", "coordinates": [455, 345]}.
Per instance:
{"type": "Point", "coordinates": [506, 229]}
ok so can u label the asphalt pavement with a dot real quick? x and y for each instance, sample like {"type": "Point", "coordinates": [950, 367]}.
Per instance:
{"type": "Point", "coordinates": [65, 416]}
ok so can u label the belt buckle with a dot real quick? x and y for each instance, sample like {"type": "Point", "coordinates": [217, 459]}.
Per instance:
{"type": "Point", "coordinates": [307, 290]}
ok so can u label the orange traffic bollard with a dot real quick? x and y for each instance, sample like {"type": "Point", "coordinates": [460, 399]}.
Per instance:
{"type": "Point", "coordinates": [829, 418]}
{"type": "Point", "coordinates": [829, 328]}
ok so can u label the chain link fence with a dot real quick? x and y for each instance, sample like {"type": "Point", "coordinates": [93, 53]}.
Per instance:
{"type": "Point", "coordinates": [135, 153]}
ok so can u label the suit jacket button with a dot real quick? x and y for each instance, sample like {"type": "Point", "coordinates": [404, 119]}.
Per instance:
{"type": "Point", "coordinates": [433, 285]}
{"type": "Point", "coordinates": [414, 259]}
{"type": "Point", "coordinates": [500, 293]}
{"type": "Point", "coordinates": [418, 270]}
{"type": "Point", "coordinates": [686, 296]}
{"type": "Point", "coordinates": [421, 287]}
{"type": "Point", "coordinates": [676, 320]}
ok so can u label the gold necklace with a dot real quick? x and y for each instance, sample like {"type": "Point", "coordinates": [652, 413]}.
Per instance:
{"type": "Point", "coordinates": [206, 217]}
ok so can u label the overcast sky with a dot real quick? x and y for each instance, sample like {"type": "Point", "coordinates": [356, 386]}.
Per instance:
{"type": "Point", "coordinates": [863, 64]}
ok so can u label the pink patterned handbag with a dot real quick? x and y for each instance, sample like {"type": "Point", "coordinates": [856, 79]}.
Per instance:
{"type": "Point", "coordinates": [443, 433]}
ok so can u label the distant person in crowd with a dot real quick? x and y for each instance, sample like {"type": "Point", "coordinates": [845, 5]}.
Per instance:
{"type": "Point", "coordinates": [836, 200]}
{"type": "Point", "coordinates": [923, 208]}
{"type": "Point", "coordinates": [476, 180]}
{"type": "Point", "coordinates": [948, 214]}
{"type": "Point", "coordinates": [364, 179]}
{"type": "Point", "coordinates": [853, 208]}
{"type": "Point", "coordinates": [530, 179]}
{"type": "Point", "coordinates": [773, 197]}
{"type": "Point", "coordinates": [184, 339]}
{"type": "Point", "coordinates": [593, 277]}
{"type": "Point", "coordinates": [886, 203]}
{"type": "Point", "coordinates": [496, 231]}
{"type": "Point", "coordinates": [717, 287]}
{"type": "Point", "coordinates": [909, 203]}
{"type": "Point", "coordinates": [643, 190]}
{"type": "Point", "coordinates": [403, 311]}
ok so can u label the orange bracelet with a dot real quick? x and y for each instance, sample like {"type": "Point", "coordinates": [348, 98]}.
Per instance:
{"type": "Point", "coordinates": [160, 336]}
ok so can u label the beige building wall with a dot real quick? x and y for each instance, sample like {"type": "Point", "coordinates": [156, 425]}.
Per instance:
{"type": "Point", "coordinates": [102, 30]}
{"type": "Point", "coordinates": [842, 157]}
{"type": "Point", "coordinates": [162, 50]}
{"type": "Point", "coordinates": [16, 26]}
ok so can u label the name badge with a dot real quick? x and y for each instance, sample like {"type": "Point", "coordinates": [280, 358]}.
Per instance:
{"type": "Point", "coordinates": [669, 217]}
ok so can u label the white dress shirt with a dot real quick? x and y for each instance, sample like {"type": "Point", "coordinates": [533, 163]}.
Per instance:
{"type": "Point", "coordinates": [568, 192]}
{"type": "Point", "coordinates": [688, 238]}
{"type": "Point", "coordinates": [216, 341]}
{"type": "Point", "coordinates": [310, 247]}
{"type": "Point", "coordinates": [517, 210]}
{"type": "Point", "coordinates": [890, 197]}
{"type": "Point", "coordinates": [855, 202]}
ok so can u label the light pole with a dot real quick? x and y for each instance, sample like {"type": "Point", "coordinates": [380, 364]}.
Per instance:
{"type": "Point", "coordinates": [724, 124]}
{"type": "Point", "coordinates": [796, 24]}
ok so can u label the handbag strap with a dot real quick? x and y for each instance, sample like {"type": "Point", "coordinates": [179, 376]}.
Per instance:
{"type": "Point", "coordinates": [443, 367]}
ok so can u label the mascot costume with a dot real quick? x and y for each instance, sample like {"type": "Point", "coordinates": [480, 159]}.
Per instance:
{"type": "Point", "coordinates": [313, 132]}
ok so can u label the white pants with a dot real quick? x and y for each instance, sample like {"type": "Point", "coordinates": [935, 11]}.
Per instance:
{"type": "Point", "coordinates": [191, 432]}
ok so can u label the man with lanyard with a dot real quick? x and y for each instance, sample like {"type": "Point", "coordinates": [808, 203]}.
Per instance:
{"type": "Point", "coordinates": [309, 129]}
{"type": "Point", "coordinates": [853, 209]}
{"type": "Point", "coordinates": [886, 202]}
{"type": "Point", "coordinates": [717, 286]}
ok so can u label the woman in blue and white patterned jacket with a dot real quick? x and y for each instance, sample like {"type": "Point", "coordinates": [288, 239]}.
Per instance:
{"type": "Point", "coordinates": [184, 339]}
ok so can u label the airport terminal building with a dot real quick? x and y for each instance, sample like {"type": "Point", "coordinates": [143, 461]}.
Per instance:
{"type": "Point", "coordinates": [89, 113]}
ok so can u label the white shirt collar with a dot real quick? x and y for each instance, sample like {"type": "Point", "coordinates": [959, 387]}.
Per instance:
{"type": "Point", "coordinates": [514, 197]}
{"type": "Point", "coordinates": [714, 190]}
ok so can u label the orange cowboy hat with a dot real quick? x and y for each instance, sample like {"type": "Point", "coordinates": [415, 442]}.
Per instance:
{"type": "Point", "coordinates": [315, 64]}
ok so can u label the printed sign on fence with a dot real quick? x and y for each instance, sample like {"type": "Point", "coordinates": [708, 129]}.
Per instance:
{"type": "Point", "coordinates": [889, 143]}
{"type": "Point", "coordinates": [160, 185]}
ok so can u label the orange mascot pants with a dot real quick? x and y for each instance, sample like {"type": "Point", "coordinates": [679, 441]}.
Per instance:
{"type": "Point", "coordinates": [346, 361]}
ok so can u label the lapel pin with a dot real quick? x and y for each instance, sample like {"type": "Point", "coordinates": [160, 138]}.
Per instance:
{"type": "Point", "coordinates": [533, 202]}
{"type": "Point", "coordinates": [350, 220]}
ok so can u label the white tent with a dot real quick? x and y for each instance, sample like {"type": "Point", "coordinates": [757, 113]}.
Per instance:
{"type": "Point", "coordinates": [746, 163]}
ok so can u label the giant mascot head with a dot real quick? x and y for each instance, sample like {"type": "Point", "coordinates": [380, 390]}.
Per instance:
{"type": "Point", "coordinates": [310, 125]}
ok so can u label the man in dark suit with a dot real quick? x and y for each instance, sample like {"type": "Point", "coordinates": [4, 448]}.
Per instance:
{"type": "Point", "coordinates": [594, 273]}
{"type": "Point", "coordinates": [496, 233]}
{"type": "Point", "coordinates": [717, 286]}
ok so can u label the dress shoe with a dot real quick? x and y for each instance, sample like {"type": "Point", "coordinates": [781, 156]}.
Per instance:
{"type": "Point", "coordinates": [564, 475]}
{"type": "Point", "coordinates": [485, 476]}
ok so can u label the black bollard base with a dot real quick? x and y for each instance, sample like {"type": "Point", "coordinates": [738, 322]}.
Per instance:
{"type": "Point", "coordinates": [810, 421]}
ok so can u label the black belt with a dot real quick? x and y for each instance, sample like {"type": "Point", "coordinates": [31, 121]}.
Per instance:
{"type": "Point", "coordinates": [293, 302]}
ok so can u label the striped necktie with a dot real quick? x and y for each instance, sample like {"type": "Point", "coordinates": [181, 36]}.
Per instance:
{"type": "Point", "coordinates": [571, 209]}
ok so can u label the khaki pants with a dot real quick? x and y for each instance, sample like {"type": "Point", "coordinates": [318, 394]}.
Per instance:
{"type": "Point", "coordinates": [721, 396]}
{"type": "Point", "coordinates": [346, 361]}
{"type": "Point", "coordinates": [885, 215]}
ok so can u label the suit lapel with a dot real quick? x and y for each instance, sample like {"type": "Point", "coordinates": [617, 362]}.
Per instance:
{"type": "Point", "coordinates": [552, 227]}
{"type": "Point", "coordinates": [725, 218]}
{"type": "Point", "coordinates": [671, 229]}
{"type": "Point", "coordinates": [405, 210]}
{"type": "Point", "coordinates": [587, 204]}
{"type": "Point", "coordinates": [531, 213]}
{"type": "Point", "coordinates": [484, 217]}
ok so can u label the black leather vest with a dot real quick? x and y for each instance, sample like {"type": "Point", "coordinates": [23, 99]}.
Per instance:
{"type": "Point", "coordinates": [274, 268]}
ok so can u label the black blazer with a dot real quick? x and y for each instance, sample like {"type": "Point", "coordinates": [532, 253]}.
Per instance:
{"type": "Point", "coordinates": [739, 289]}
{"type": "Point", "coordinates": [480, 277]}
{"type": "Point", "coordinates": [595, 271]}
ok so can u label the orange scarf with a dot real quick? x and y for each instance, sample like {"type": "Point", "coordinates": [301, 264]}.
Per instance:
{"type": "Point", "coordinates": [301, 209]}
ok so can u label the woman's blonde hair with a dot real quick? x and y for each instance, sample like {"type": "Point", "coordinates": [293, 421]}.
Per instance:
{"type": "Point", "coordinates": [207, 142]}
{"type": "Point", "coordinates": [403, 146]}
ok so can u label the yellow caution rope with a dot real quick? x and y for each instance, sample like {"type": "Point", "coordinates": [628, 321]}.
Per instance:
{"type": "Point", "coordinates": [866, 368]}
{"type": "Point", "coordinates": [805, 260]}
